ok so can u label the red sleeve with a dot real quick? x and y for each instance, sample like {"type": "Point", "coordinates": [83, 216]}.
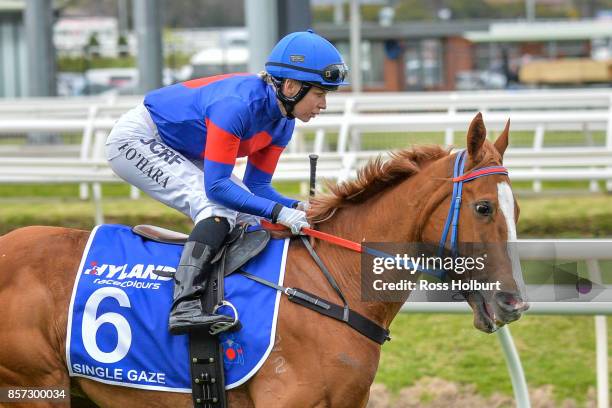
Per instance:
{"type": "Point", "coordinates": [267, 158]}
{"type": "Point", "coordinates": [221, 146]}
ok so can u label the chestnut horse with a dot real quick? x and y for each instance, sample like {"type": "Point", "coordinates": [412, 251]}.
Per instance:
{"type": "Point", "coordinates": [316, 361]}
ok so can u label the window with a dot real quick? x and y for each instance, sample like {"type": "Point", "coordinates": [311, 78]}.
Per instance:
{"type": "Point", "coordinates": [372, 62]}
{"type": "Point", "coordinates": [424, 64]}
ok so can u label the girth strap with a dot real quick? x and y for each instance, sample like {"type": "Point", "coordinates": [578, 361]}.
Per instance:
{"type": "Point", "coordinates": [358, 322]}
{"type": "Point", "coordinates": [328, 276]}
{"type": "Point", "coordinates": [207, 375]}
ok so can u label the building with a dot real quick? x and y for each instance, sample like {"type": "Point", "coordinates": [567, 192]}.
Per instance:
{"type": "Point", "coordinates": [72, 36]}
{"type": "Point", "coordinates": [449, 55]}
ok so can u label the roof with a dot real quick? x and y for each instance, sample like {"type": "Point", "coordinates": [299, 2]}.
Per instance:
{"type": "Point", "coordinates": [403, 30]}
{"type": "Point", "coordinates": [543, 31]}
{"type": "Point", "coordinates": [12, 5]}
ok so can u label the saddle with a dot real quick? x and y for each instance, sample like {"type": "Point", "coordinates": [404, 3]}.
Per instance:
{"type": "Point", "coordinates": [240, 245]}
{"type": "Point", "coordinates": [205, 351]}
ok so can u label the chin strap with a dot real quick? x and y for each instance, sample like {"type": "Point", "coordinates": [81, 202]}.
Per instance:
{"type": "Point", "coordinates": [287, 101]}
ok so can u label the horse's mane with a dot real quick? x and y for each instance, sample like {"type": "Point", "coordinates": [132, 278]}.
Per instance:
{"type": "Point", "coordinates": [377, 175]}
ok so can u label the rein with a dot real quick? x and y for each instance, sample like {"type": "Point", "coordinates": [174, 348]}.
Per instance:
{"type": "Point", "coordinates": [343, 313]}
{"type": "Point", "coordinates": [451, 220]}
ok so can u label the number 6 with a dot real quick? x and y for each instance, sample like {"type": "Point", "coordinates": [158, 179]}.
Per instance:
{"type": "Point", "coordinates": [91, 324]}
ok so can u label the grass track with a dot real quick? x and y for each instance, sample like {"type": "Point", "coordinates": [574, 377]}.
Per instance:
{"type": "Point", "coordinates": [554, 350]}
{"type": "Point", "coordinates": [557, 350]}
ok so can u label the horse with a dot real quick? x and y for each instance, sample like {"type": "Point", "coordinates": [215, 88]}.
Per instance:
{"type": "Point", "coordinates": [316, 361]}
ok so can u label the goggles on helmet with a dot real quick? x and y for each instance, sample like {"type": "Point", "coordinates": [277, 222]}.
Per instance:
{"type": "Point", "coordinates": [334, 73]}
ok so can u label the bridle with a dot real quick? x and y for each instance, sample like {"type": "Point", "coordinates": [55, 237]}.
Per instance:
{"type": "Point", "coordinates": [343, 313]}
{"type": "Point", "coordinates": [452, 219]}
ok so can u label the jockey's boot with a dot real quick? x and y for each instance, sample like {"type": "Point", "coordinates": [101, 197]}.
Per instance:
{"type": "Point", "coordinates": [190, 280]}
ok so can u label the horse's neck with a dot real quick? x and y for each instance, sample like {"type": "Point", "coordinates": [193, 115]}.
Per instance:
{"type": "Point", "coordinates": [394, 216]}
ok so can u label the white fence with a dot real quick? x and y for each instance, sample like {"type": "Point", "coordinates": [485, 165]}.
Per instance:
{"type": "Point", "coordinates": [591, 251]}
{"type": "Point", "coordinates": [485, 101]}
{"type": "Point", "coordinates": [351, 119]}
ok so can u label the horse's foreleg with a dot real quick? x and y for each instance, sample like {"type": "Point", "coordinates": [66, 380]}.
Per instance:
{"type": "Point", "coordinates": [112, 396]}
{"type": "Point", "coordinates": [315, 362]}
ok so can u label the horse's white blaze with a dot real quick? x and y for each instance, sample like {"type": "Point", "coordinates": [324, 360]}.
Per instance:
{"type": "Point", "coordinates": [506, 205]}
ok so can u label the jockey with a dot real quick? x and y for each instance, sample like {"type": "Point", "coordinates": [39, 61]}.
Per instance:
{"type": "Point", "coordinates": [180, 147]}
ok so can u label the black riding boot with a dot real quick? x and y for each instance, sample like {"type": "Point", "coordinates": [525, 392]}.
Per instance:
{"type": "Point", "coordinates": [190, 280]}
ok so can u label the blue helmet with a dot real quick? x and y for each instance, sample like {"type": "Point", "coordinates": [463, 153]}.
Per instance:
{"type": "Point", "coordinates": [308, 57]}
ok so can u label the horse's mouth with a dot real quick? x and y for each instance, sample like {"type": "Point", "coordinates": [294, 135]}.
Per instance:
{"type": "Point", "coordinates": [484, 315]}
{"type": "Point", "coordinates": [490, 316]}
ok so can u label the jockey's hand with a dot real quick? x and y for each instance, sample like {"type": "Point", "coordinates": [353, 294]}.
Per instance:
{"type": "Point", "coordinates": [294, 219]}
{"type": "Point", "coordinates": [303, 206]}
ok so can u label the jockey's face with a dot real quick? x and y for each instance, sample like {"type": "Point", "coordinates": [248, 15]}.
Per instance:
{"type": "Point", "coordinates": [310, 105]}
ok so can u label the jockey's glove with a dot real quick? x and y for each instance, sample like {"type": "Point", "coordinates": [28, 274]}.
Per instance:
{"type": "Point", "coordinates": [294, 219]}
{"type": "Point", "coordinates": [302, 206]}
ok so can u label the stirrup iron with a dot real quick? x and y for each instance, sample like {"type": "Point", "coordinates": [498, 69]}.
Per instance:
{"type": "Point", "coordinates": [220, 327]}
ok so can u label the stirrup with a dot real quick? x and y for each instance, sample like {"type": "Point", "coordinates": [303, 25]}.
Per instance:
{"type": "Point", "coordinates": [220, 327]}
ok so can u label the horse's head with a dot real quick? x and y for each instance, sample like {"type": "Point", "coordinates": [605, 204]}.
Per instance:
{"type": "Point", "coordinates": [407, 198]}
{"type": "Point", "coordinates": [486, 220]}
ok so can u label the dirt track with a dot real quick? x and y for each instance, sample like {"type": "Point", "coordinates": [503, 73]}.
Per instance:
{"type": "Point", "coordinates": [439, 393]}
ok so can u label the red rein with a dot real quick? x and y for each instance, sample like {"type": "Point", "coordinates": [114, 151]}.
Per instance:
{"type": "Point", "coordinates": [353, 246]}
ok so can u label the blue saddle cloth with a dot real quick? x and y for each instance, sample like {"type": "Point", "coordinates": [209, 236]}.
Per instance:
{"type": "Point", "coordinates": [118, 317]}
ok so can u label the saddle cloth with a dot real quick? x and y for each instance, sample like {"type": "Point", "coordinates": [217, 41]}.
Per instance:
{"type": "Point", "coordinates": [118, 316]}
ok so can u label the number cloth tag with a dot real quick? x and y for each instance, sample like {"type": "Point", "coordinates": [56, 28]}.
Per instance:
{"type": "Point", "coordinates": [118, 317]}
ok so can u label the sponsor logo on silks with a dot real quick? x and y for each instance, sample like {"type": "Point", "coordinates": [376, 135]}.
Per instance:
{"type": "Point", "coordinates": [296, 58]}
{"type": "Point", "coordinates": [233, 352]}
{"type": "Point", "coordinates": [122, 272]}
{"type": "Point", "coordinates": [93, 269]}
{"type": "Point", "coordinates": [169, 155]}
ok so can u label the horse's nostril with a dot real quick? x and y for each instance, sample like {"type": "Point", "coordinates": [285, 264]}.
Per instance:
{"type": "Point", "coordinates": [511, 302]}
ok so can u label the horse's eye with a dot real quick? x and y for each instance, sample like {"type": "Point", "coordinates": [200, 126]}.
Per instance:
{"type": "Point", "coordinates": [483, 208]}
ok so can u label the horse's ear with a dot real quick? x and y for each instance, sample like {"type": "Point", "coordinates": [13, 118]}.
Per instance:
{"type": "Point", "coordinates": [477, 133]}
{"type": "Point", "coordinates": [502, 140]}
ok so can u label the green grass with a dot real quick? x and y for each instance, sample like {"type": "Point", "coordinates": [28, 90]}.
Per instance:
{"type": "Point", "coordinates": [566, 217]}
{"type": "Point", "coordinates": [541, 217]}
{"type": "Point", "coordinates": [79, 64]}
{"type": "Point", "coordinates": [21, 140]}
{"type": "Point", "coordinates": [555, 350]}
{"type": "Point", "coordinates": [67, 191]}
{"type": "Point", "coordinates": [400, 140]}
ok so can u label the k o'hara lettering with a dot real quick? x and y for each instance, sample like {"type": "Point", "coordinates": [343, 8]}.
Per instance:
{"type": "Point", "coordinates": [146, 167]}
